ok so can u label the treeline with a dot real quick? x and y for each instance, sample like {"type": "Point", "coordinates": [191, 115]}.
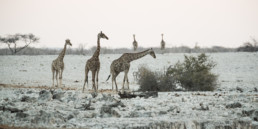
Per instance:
{"type": "Point", "coordinates": [104, 50]}
{"type": "Point", "coordinates": [18, 44]}
{"type": "Point", "coordinates": [250, 46]}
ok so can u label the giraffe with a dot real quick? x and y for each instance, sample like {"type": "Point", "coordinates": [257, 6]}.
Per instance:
{"type": "Point", "coordinates": [135, 44]}
{"type": "Point", "coordinates": [93, 64]}
{"type": "Point", "coordinates": [58, 64]}
{"type": "Point", "coordinates": [162, 43]}
{"type": "Point", "coordinates": [123, 64]}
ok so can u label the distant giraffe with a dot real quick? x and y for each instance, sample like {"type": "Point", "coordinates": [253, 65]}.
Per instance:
{"type": "Point", "coordinates": [162, 43]}
{"type": "Point", "coordinates": [135, 44]}
{"type": "Point", "coordinates": [58, 64]}
{"type": "Point", "coordinates": [93, 64]}
{"type": "Point", "coordinates": [123, 64]}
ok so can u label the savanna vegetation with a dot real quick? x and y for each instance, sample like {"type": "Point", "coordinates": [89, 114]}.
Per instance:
{"type": "Point", "coordinates": [193, 74]}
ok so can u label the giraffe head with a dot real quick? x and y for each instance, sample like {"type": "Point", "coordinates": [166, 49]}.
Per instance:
{"type": "Point", "coordinates": [67, 42]}
{"type": "Point", "coordinates": [152, 53]}
{"type": "Point", "coordinates": [102, 35]}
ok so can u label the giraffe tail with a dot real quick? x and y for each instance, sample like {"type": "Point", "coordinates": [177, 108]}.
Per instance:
{"type": "Point", "coordinates": [108, 77]}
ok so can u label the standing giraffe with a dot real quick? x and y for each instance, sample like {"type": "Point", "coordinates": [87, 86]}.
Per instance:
{"type": "Point", "coordinates": [58, 64]}
{"type": "Point", "coordinates": [123, 64]}
{"type": "Point", "coordinates": [135, 44]}
{"type": "Point", "coordinates": [162, 43]}
{"type": "Point", "coordinates": [93, 64]}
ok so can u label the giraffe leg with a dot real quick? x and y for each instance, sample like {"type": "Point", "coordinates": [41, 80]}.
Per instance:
{"type": "Point", "coordinates": [112, 81]}
{"type": "Point", "coordinates": [127, 81]}
{"type": "Point", "coordinates": [93, 80]}
{"type": "Point", "coordinates": [123, 83]}
{"type": "Point", "coordinates": [86, 79]}
{"type": "Point", "coordinates": [115, 83]}
{"type": "Point", "coordinates": [60, 77]}
{"type": "Point", "coordinates": [57, 77]}
{"type": "Point", "coordinates": [53, 78]}
{"type": "Point", "coordinates": [126, 76]}
{"type": "Point", "coordinates": [97, 78]}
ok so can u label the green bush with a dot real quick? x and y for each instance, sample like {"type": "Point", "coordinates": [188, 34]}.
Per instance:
{"type": "Point", "coordinates": [194, 74]}
{"type": "Point", "coordinates": [166, 83]}
{"type": "Point", "coordinates": [153, 81]}
{"type": "Point", "coordinates": [148, 80]}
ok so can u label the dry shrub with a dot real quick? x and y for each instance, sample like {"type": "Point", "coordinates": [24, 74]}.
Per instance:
{"type": "Point", "coordinates": [194, 74]}
{"type": "Point", "coordinates": [154, 81]}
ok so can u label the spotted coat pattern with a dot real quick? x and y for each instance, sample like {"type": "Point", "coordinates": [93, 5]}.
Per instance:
{"type": "Point", "coordinates": [135, 44]}
{"type": "Point", "coordinates": [93, 65]}
{"type": "Point", "coordinates": [57, 66]}
{"type": "Point", "coordinates": [122, 64]}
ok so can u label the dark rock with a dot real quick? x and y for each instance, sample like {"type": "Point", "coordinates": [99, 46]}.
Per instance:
{"type": "Point", "coordinates": [94, 94]}
{"type": "Point", "coordinates": [255, 115]}
{"type": "Point", "coordinates": [107, 111]}
{"type": "Point", "coordinates": [117, 103]}
{"type": "Point", "coordinates": [107, 97]}
{"type": "Point", "coordinates": [255, 89]}
{"type": "Point", "coordinates": [42, 117]}
{"type": "Point", "coordinates": [239, 89]}
{"type": "Point", "coordinates": [138, 94]}
{"type": "Point", "coordinates": [70, 117]}
{"type": "Point", "coordinates": [29, 92]}
{"type": "Point", "coordinates": [20, 91]}
{"type": "Point", "coordinates": [114, 113]}
{"type": "Point", "coordinates": [21, 115]}
{"type": "Point", "coordinates": [45, 95]}
{"type": "Point", "coordinates": [234, 105]}
{"type": "Point", "coordinates": [58, 96]}
{"type": "Point", "coordinates": [203, 107]}
{"type": "Point", "coordinates": [219, 90]}
{"type": "Point", "coordinates": [87, 106]}
{"type": "Point", "coordinates": [71, 97]}
{"type": "Point", "coordinates": [171, 109]}
{"type": "Point", "coordinates": [58, 117]}
{"type": "Point", "coordinates": [162, 112]}
{"type": "Point", "coordinates": [177, 95]}
{"type": "Point", "coordinates": [28, 99]}
{"type": "Point", "coordinates": [1, 107]}
{"type": "Point", "coordinates": [247, 112]}
{"type": "Point", "coordinates": [139, 108]}
{"type": "Point", "coordinates": [12, 109]}
{"type": "Point", "coordinates": [134, 114]}
{"type": "Point", "coordinates": [84, 106]}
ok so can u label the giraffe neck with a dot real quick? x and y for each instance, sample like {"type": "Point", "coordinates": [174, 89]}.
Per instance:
{"type": "Point", "coordinates": [96, 53]}
{"type": "Point", "coordinates": [62, 54]}
{"type": "Point", "coordinates": [135, 56]}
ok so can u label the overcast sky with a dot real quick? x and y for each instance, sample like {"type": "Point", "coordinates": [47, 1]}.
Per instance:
{"type": "Point", "coordinates": [226, 23]}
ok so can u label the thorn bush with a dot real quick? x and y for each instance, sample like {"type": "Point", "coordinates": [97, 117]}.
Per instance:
{"type": "Point", "coordinates": [193, 74]}
{"type": "Point", "coordinates": [154, 81]}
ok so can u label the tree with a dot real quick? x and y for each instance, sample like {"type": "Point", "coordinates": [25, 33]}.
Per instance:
{"type": "Point", "coordinates": [81, 49]}
{"type": "Point", "coordinates": [249, 46]}
{"type": "Point", "coordinates": [18, 42]}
